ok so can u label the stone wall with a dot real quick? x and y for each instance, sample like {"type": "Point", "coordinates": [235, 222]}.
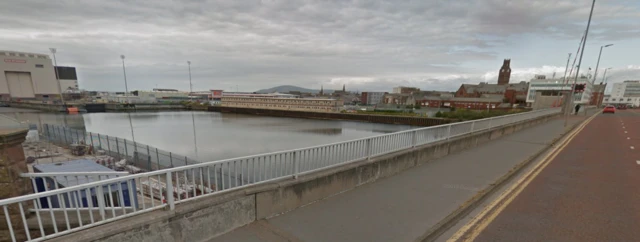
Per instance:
{"type": "Point", "coordinates": [12, 163]}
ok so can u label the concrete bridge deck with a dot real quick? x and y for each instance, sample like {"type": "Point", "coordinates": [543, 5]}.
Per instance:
{"type": "Point", "coordinates": [407, 206]}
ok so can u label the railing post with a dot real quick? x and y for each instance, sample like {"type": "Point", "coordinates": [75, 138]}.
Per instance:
{"type": "Point", "coordinates": [473, 125]}
{"type": "Point", "coordinates": [368, 149]}
{"type": "Point", "coordinates": [295, 165]}
{"type": "Point", "coordinates": [169, 193]}
{"type": "Point", "coordinates": [100, 197]}
{"type": "Point", "coordinates": [91, 138]}
{"type": "Point", "coordinates": [148, 159]}
{"type": "Point", "coordinates": [414, 138]}
{"type": "Point", "coordinates": [118, 148]}
{"type": "Point", "coordinates": [171, 159]}
{"type": "Point", "coordinates": [490, 123]}
{"type": "Point", "coordinates": [449, 131]}
{"type": "Point", "coordinates": [126, 152]}
{"type": "Point", "coordinates": [100, 141]}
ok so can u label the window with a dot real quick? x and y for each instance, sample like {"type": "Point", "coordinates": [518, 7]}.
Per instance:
{"type": "Point", "coordinates": [31, 56]}
{"type": "Point", "coordinates": [22, 55]}
{"type": "Point", "coordinates": [12, 54]}
{"type": "Point", "coordinates": [628, 99]}
{"type": "Point", "coordinates": [39, 66]}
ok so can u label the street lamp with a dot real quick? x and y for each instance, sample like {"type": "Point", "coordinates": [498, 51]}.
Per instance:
{"type": "Point", "coordinates": [55, 64]}
{"type": "Point", "coordinates": [126, 90]}
{"type": "Point", "coordinates": [124, 71]}
{"type": "Point", "coordinates": [573, 88]}
{"type": "Point", "coordinates": [605, 74]}
{"type": "Point", "coordinates": [190, 85]}
{"type": "Point", "coordinates": [604, 88]}
{"type": "Point", "coordinates": [598, 63]}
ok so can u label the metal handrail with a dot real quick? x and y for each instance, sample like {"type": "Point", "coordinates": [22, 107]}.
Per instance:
{"type": "Point", "coordinates": [176, 185]}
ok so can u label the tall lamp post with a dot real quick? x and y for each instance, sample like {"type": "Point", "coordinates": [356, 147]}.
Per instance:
{"type": "Point", "coordinates": [190, 85]}
{"type": "Point", "coordinates": [124, 71]}
{"type": "Point", "coordinates": [604, 88]}
{"type": "Point", "coordinates": [573, 88]}
{"type": "Point", "coordinates": [598, 63]}
{"type": "Point", "coordinates": [126, 90]}
{"type": "Point", "coordinates": [55, 64]}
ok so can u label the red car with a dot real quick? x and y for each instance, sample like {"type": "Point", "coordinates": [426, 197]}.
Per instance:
{"type": "Point", "coordinates": [609, 109]}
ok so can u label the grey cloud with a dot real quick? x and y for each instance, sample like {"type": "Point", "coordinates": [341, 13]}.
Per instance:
{"type": "Point", "coordinates": [257, 44]}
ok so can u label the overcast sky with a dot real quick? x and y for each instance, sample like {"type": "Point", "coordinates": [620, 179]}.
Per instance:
{"type": "Point", "coordinates": [367, 45]}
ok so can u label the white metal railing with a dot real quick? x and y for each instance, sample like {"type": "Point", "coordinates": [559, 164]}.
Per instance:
{"type": "Point", "coordinates": [125, 196]}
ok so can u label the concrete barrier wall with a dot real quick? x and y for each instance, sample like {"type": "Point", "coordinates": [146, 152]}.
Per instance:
{"type": "Point", "coordinates": [208, 217]}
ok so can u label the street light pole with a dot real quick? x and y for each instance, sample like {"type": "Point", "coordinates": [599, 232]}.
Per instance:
{"type": "Point", "coordinates": [190, 85]}
{"type": "Point", "coordinates": [124, 71]}
{"type": "Point", "coordinates": [598, 63]}
{"type": "Point", "coordinates": [564, 79]}
{"type": "Point", "coordinates": [55, 64]}
{"type": "Point", "coordinates": [584, 43]}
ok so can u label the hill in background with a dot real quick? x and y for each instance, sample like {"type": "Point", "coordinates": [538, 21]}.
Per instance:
{"type": "Point", "coordinates": [288, 88]}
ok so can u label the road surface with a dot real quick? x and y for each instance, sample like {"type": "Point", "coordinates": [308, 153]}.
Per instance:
{"type": "Point", "coordinates": [403, 207]}
{"type": "Point", "coordinates": [590, 191]}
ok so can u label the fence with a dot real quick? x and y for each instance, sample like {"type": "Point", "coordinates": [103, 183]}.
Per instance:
{"type": "Point", "coordinates": [137, 155]}
{"type": "Point", "coordinates": [177, 185]}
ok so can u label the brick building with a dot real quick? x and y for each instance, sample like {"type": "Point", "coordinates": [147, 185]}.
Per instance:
{"type": "Point", "coordinates": [511, 93]}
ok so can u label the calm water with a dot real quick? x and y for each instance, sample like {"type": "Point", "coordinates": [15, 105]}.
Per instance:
{"type": "Point", "coordinates": [217, 135]}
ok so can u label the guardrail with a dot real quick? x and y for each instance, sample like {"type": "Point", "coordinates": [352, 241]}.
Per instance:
{"type": "Point", "coordinates": [169, 187]}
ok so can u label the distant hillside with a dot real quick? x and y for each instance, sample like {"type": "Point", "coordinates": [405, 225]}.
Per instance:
{"type": "Point", "coordinates": [287, 88]}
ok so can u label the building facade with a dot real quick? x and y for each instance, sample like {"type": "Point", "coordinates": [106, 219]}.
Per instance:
{"type": "Point", "coordinates": [557, 86]}
{"type": "Point", "coordinates": [624, 93]}
{"type": "Point", "coordinates": [67, 77]}
{"type": "Point", "coordinates": [27, 76]}
{"type": "Point", "coordinates": [265, 101]}
{"type": "Point", "coordinates": [405, 90]}
{"type": "Point", "coordinates": [371, 98]}
{"type": "Point", "coordinates": [505, 72]}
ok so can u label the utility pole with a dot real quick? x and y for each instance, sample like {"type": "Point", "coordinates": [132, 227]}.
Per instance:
{"type": "Point", "coordinates": [584, 43]}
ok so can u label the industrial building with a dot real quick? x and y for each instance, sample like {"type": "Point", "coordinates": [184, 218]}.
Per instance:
{"type": "Point", "coordinates": [281, 102]}
{"type": "Point", "coordinates": [555, 86]}
{"type": "Point", "coordinates": [27, 76]}
{"type": "Point", "coordinates": [68, 78]}
{"type": "Point", "coordinates": [624, 93]}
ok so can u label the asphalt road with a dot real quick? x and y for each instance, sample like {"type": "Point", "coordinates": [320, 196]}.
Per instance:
{"type": "Point", "coordinates": [403, 207]}
{"type": "Point", "coordinates": [589, 192]}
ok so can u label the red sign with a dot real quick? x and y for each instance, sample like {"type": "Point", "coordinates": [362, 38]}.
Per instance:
{"type": "Point", "coordinates": [14, 61]}
{"type": "Point", "coordinates": [216, 93]}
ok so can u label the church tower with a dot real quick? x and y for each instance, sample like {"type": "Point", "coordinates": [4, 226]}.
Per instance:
{"type": "Point", "coordinates": [505, 72]}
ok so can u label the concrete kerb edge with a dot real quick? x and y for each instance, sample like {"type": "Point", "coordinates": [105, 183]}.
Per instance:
{"type": "Point", "coordinates": [434, 232]}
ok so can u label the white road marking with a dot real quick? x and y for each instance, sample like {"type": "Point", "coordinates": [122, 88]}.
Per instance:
{"type": "Point", "coordinates": [628, 138]}
{"type": "Point", "coordinates": [625, 132]}
{"type": "Point", "coordinates": [638, 161]}
{"type": "Point", "coordinates": [623, 127]}
{"type": "Point", "coordinates": [632, 147]}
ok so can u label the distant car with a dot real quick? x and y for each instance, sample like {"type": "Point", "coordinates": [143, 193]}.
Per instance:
{"type": "Point", "coordinates": [622, 107]}
{"type": "Point", "coordinates": [609, 109]}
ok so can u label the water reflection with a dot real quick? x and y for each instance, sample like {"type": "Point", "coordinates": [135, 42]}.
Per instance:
{"type": "Point", "coordinates": [212, 136]}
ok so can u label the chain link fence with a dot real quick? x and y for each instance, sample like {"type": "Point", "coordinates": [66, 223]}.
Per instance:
{"type": "Point", "coordinates": [137, 156]}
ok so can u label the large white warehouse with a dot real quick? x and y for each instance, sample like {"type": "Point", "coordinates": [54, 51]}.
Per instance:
{"type": "Point", "coordinates": [27, 76]}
